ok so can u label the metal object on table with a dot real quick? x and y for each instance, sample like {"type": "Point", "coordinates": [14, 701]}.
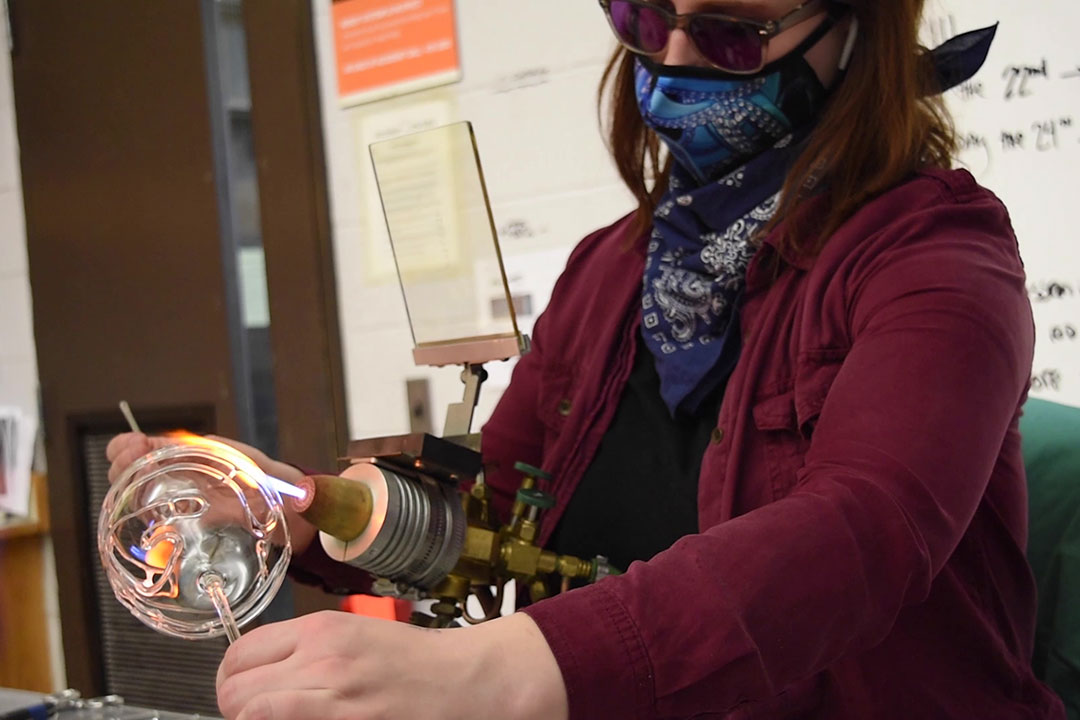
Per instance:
{"type": "Point", "coordinates": [69, 705]}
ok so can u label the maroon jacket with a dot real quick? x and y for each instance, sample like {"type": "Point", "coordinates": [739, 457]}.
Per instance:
{"type": "Point", "coordinates": [863, 502]}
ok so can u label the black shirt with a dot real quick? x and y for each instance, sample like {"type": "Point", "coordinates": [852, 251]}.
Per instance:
{"type": "Point", "coordinates": [639, 494]}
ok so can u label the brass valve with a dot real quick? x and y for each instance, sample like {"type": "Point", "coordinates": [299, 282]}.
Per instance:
{"type": "Point", "coordinates": [493, 556]}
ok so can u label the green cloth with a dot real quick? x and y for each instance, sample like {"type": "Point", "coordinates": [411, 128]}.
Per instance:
{"type": "Point", "coordinates": [1051, 448]}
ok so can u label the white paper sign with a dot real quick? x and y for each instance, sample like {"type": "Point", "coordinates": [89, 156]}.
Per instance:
{"type": "Point", "coordinates": [17, 433]}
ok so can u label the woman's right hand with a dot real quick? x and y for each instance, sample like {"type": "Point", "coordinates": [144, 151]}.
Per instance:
{"type": "Point", "coordinates": [126, 448]}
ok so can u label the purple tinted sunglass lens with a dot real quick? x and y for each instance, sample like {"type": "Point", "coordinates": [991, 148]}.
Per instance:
{"type": "Point", "coordinates": [640, 27]}
{"type": "Point", "coordinates": [727, 45]}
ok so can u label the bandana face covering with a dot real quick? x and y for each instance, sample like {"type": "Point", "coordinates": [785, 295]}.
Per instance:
{"type": "Point", "coordinates": [733, 138]}
{"type": "Point", "coordinates": [695, 271]}
{"type": "Point", "coordinates": [712, 121]}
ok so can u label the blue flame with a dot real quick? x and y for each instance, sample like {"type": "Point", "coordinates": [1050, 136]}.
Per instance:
{"type": "Point", "coordinates": [285, 488]}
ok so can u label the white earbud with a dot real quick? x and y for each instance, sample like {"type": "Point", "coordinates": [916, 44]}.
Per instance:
{"type": "Point", "coordinates": [849, 46]}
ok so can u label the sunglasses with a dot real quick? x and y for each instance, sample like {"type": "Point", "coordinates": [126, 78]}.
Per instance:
{"type": "Point", "coordinates": [735, 45]}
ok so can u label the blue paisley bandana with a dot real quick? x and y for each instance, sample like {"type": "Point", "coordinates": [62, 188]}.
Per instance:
{"type": "Point", "coordinates": [713, 125]}
{"type": "Point", "coordinates": [695, 272]}
{"type": "Point", "coordinates": [732, 142]}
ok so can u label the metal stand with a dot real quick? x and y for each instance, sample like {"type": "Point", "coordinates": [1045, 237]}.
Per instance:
{"type": "Point", "coordinates": [459, 415]}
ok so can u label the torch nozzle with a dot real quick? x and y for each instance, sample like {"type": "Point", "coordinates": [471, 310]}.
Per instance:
{"type": "Point", "coordinates": [286, 488]}
{"type": "Point", "coordinates": [335, 505]}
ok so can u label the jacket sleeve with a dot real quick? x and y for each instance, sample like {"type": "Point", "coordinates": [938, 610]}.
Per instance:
{"type": "Point", "coordinates": [516, 432]}
{"type": "Point", "coordinates": [315, 567]}
{"type": "Point", "coordinates": [908, 436]}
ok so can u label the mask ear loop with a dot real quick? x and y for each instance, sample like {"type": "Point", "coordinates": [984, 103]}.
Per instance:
{"type": "Point", "coordinates": [849, 46]}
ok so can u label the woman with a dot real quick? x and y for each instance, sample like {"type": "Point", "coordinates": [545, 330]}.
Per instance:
{"type": "Point", "coordinates": [788, 384]}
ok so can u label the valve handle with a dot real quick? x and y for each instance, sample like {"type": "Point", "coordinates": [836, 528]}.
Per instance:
{"type": "Point", "coordinates": [533, 471]}
{"type": "Point", "coordinates": [602, 568]}
{"type": "Point", "coordinates": [536, 498]}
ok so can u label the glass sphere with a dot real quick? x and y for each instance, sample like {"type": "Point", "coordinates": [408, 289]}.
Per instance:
{"type": "Point", "coordinates": [187, 519]}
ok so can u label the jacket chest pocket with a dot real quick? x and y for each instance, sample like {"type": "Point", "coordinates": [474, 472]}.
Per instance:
{"type": "Point", "coordinates": [785, 420]}
{"type": "Point", "coordinates": [783, 444]}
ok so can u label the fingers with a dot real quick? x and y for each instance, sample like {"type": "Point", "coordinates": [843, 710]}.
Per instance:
{"type": "Point", "coordinates": [262, 646]}
{"type": "Point", "coordinates": [126, 448]}
{"type": "Point", "coordinates": [287, 705]}
{"type": "Point", "coordinates": [267, 464]}
{"type": "Point", "coordinates": [120, 442]}
{"type": "Point", "coordinates": [252, 452]}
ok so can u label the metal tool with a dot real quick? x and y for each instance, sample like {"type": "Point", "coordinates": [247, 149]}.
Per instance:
{"type": "Point", "coordinates": [63, 702]}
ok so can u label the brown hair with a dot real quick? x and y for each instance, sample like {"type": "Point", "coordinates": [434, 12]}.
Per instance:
{"type": "Point", "coordinates": [872, 135]}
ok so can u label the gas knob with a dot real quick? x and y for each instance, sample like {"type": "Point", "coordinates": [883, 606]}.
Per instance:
{"type": "Point", "coordinates": [536, 498]}
{"type": "Point", "coordinates": [531, 471]}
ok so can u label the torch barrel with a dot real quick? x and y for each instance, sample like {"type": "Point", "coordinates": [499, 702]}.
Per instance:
{"type": "Point", "coordinates": [335, 505]}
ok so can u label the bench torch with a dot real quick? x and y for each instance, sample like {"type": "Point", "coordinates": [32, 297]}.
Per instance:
{"type": "Point", "coordinates": [413, 511]}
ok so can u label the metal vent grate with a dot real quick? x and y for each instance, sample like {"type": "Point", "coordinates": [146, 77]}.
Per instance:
{"type": "Point", "coordinates": [144, 666]}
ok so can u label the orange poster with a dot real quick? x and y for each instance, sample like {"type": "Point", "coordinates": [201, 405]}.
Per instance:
{"type": "Point", "coordinates": [389, 47]}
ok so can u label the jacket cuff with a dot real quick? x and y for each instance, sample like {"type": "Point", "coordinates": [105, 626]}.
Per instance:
{"type": "Point", "coordinates": [600, 652]}
{"type": "Point", "coordinates": [315, 567]}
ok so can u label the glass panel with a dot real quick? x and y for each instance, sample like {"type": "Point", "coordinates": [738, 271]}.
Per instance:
{"type": "Point", "coordinates": [443, 238]}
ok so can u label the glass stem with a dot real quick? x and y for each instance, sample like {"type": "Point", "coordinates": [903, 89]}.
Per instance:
{"type": "Point", "coordinates": [214, 586]}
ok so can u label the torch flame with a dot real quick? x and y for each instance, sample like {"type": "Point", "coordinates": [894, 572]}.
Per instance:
{"type": "Point", "coordinates": [247, 471]}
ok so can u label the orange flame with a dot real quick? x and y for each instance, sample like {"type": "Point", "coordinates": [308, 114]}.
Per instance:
{"type": "Point", "coordinates": [247, 471]}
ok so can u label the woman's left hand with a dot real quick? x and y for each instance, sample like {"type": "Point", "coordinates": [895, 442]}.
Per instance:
{"type": "Point", "coordinates": [333, 665]}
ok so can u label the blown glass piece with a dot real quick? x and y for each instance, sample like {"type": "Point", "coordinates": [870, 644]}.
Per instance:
{"type": "Point", "coordinates": [193, 539]}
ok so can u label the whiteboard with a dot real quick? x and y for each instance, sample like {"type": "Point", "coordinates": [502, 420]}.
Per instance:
{"type": "Point", "coordinates": [1019, 124]}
